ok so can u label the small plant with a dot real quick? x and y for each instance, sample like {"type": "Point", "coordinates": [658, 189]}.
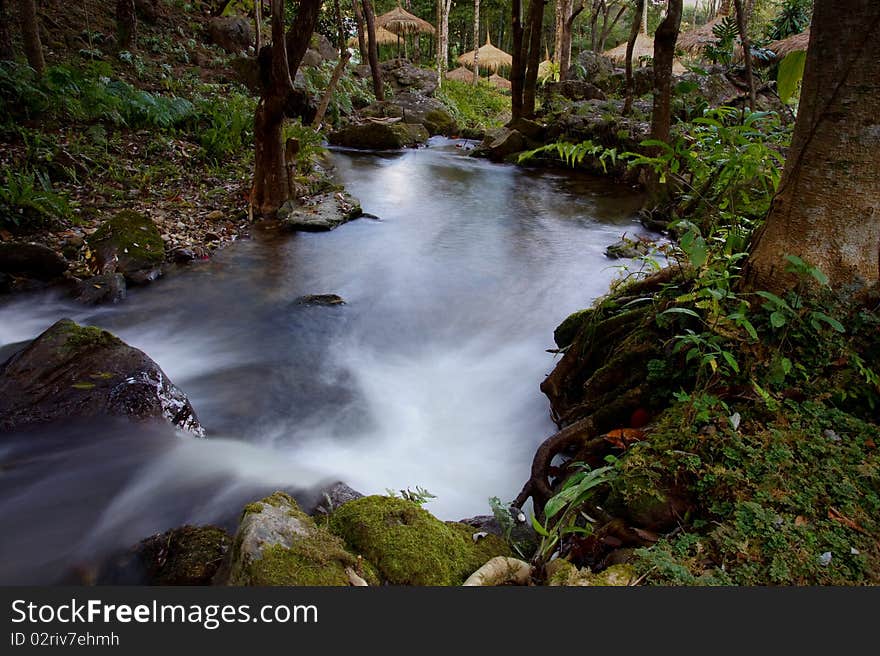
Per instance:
{"type": "Point", "coordinates": [27, 200]}
{"type": "Point", "coordinates": [419, 496]}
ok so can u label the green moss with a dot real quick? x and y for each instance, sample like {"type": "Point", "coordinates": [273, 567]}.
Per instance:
{"type": "Point", "coordinates": [83, 386]}
{"type": "Point", "coordinates": [255, 507]}
{"type": "Point", "coordinates": [281, 499]}
{"type": "Point", "coordinates": [188, 555]}
{"type": "Point", "coordinates": [570, 327]}
{"type": "Point", "coordinates": [135, 238]}
{"type": "Point", "coordinates": [73, 337]}
{"type": "Point", "coordinates": [408, 545]}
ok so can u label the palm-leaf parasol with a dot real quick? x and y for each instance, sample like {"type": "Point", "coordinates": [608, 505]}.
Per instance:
{"type": "Point", "coordinates": [399, 21]}
{"type": "Point", "coordinates": [500, 82]}
{"type": "Point", "coordinates": [461, 74]}
{"type": "Point", "coordinates": [383, 37]}
{"type": "Point", "coordinates": [790, 44]}
{"type": "Point", "coordinates": [488, 57]}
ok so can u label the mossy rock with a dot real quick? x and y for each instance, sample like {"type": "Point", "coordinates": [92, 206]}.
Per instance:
{"type": "Point", "coordinates": [560, 572]}
{"type": "Point", "coordinates": [408, 545]}
{"type": "Point", "coordinates": [73, 371]}
{"type": "Point", "coordinates": [439, 121]}
{"type": "Point", "coordinates": [566, 331]}
{"type": "Point", "coordinates": [278, 544]}
{"type": "Point", "coordinates": [130, 244]}
{"type": "Point", "coordinates": [188, 555]}
{"type": "Point", "coordinates": [380, 136]}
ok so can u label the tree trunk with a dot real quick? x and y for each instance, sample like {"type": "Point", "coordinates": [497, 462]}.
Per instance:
{"type": "Point", "coordinates": [6, 51]}
{"type": "Point", "coordinates": [827, 209]}
{"type": "Point", "coordinates": [742, 24]}
{"type": "Point", "coordinates": [630, 46]}
{"type": "Point", "coordinates": [563, 10]}
{"type": "Point", "coordinates": [530, 83]}
{"type": "Point", "coordinates": [359, 26]}
{"type": "Point", "coordinates": [664, 56]}
{"type": "Point", "coordinates": [476, 42]}
{"type": "Point", "coordinates": [258, 25]}
{"type": "Point", "coordinates": [30, 34]}
{"type": "Point", "coordinates": [373, 48]}
{"type": "Point", "coordinates": [126, 24]}
{"type": "Point", "coordinates": [565, 44]}
{"type": "Point", "coordinates": [517, 68]}
{"type": "Point", "coordinates": [271, 185]}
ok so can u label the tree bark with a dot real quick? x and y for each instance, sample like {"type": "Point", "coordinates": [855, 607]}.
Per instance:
{"type": "Point", "coordinates": [827, 209]}
{"type": "Point", "coordinates": [564, 40]}
{"type": "Point", "coordinates": [359, 26]}
{"type": "Point", "coordinates": [271, 186]}
{"type": "Point", "coordinates": [530, 83]}
{"type": "Point", "coordinates": [664, 56]}
{"type": "Point", "coordinates": [630, 46]}
{"type": "Point", "coordinates": [30, 34]}
{"type": "Point", "coordinates": [742, 24]}
{"type": "Point", "coordinates": [517, 68]}
{"type": "Point", "coordinates": [373, 48]}
{"type": "Point", "coordinates": [6, 51]}
{"type": "Point", "coordinates": [258, 25]}
{"type": "Point", "coordinates": [476, 42]}
{"type": "Point", "coordinates": [126, 24]}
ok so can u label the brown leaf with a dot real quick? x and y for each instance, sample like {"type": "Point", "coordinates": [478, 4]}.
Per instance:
{"type": "Point", "coordinates": [837, 516]}
{"type": "Point", "coordinates": [800, 520]}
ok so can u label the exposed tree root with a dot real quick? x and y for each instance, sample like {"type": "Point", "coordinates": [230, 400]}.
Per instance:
{"type": "Point", "coordinates": [501, 570]}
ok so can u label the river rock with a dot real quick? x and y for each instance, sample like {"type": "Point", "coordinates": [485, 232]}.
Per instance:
{"type": "Point", "coordinates": [82, 371]}
{"type": "Point", "coordinates": [31, 261]}
{"type": "Point", "coordinates": [414, 108]}
{"type": "Point", "coordinates": [189, 555]}
{"type": "Point", "coordinates": [278, 544]}
{"type": "Point", "coordinates": [319, 213]}
{"type": "Point", "coordinates": [408, 545]}
{"type": "Point", "coordinates": [379, 135]}
{"type": "Point", "coordinates": [232, 33]}
{"type": "Point", "coordinates": [128, 243]}
{"type": "Point", "coordinates": [107, 288]}
{"type": "Point", "coordinates": [560, 572]}
{"type": "Point", "coordinates": [332, 497]}
{"type": "Point", "coordinates": [522, 534]}
{"type": "Point", "coordinates": [573, 90]}
{"type": "Point", "coordinates": [593, 67]}
{"type": "Point", "coordinates": [501, 144]}
{"type": "Point", "coordinates": [402, 75]}
{"type": "Point", "coordinates": [629, 248]}
{"type": "Point", "coordinates": [320, 299]}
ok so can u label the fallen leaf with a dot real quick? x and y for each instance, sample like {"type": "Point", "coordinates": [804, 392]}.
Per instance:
{"type": "Point", "coordinates": [621, 438]}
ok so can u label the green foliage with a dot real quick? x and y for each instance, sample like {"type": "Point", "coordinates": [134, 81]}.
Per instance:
{"type": "Point", "coordinates": [476, 109]}
{"type": "Point", "coordinates": [350, 93]}
{"type": "Point", "coordinates": [564, 511]}
{"type": "Point", "coordinates": [574, 154]}
{"type": "Point", "coordinates": [87, 94]}
{"type": "Point", "coordinates": [725, 32]}
{"type": "Point", "coordinates": [28, 201]}
{"type": "Point", "coordinates": [790, 74]}
{"type": "Point", "coordinates": [793, 18]}
{"type": "Point", "coordinates": [224, 125]}
{"type": "Point", "coordinates": [420, 496]}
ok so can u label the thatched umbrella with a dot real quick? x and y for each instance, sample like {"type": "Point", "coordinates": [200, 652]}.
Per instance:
{"type": "Point", "coordinates": [399, 21]}
{"type": "Point", "coordinates": [500, 82]}
{"type": "Point", "coordinates": [383, 37]}
{"type": "Point", "coordinates": [461, 74]}
{"type": "Point", "coordinates": [644, 47]}
{"type": "Point", "coordinates": [545, 69]}
{"type": "Point", "coordinates": [694, 41]}
{"type": "Point", "coordinates": [489, 57]}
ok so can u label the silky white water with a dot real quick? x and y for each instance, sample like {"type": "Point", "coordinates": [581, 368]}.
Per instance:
{"type": "Point", "coordinates": [428, 376]}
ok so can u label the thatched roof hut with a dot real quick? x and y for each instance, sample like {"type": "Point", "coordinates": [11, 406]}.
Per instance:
{"type": "Point", "coordinates": [644, 47]}
{"type": "Point", "coordinates": [488, 57]}
{"type": "Point", "coordinates": [694, 41]}
{"type": "Point", "coordinates": [383, 37]}
{"type": "Point", "coordinates": [461, 74]}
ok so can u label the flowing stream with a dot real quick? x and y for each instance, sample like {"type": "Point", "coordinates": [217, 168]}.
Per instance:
{"type": "Point", "coordinates": [428, 375]}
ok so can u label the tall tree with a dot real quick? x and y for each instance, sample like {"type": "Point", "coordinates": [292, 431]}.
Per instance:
{"type": "Point", "coordinates": [360, 28]}
{"type": "Point", "coordinates": [604, 9]}
{"type": "Point", "coordinates": [517, 67]}
{"type": "Point", "coordinates": [638, 12]}
{"type": "Point", "coordinates": [30, 34]}
{"type": "Point", "coordinates": [743, 26]}
{"type": "Point", "coordinates": [373, 50]}
{"type": "Point", "coordinates": [6, 51]}
{"type": "Point", "coordinates": [827, 208]}
{"type": "Point", "coordinates": [443, 9]}
{"type": "Point", "coordinates": [476, 41]}
{"type": "Point", "coordinates": [126, 24]}
{"type": "Point", "coordinates": [664, 57]}
{"type": "Point", "coordinates": [566, 13]}
{"type": "Point", "coordinates": [278, 65]}
{"type": "Point", "coordinates": [533, 58]}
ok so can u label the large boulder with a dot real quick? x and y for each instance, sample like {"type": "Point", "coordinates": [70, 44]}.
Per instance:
{"type": "Point", "coordinates": [379, 135]}
{"type": "Point", "coordinates": [232, 33]}
{"type": "Point", "coordinates": [319, 213]}
{"type": "Point", "coordinates": [128, 243]}
{"type": "Point", "coordinates": [278, 544]}
{"type": "Point", "coordinates": [592, 67]}
{"type": "Point", "coordinates": [573, 90]}
{"type": "Point", "coordinates": [189, 555]}
{"type": "Point", "coordinates": [402, 75]}
{"type": "Point", "coordinates": [501, 144]}
{"type": "Point", "coordinates": [31, 261]}
{"type": "Point", "coordinates": [73, 371]}
{"type": "Point", "coordinates": [408, 545]}
{"type": "Point", "coordinates": [415, 108]}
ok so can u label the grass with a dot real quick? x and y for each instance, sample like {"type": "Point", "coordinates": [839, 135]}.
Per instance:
{"type": "Point", "coordinates": [476, 109]}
